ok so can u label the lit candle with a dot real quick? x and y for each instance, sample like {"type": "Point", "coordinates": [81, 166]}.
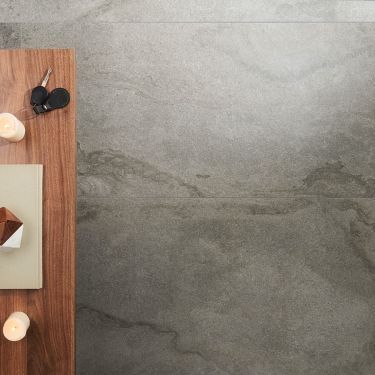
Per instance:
{"type": "Point", "coordinates": [11, 128]}
{"type": "Point", "coordinates": [16, 326]}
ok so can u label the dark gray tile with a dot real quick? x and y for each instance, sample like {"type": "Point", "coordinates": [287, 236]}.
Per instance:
{"type": "Point", "coordinates": [273, 286]}
{"type": "Point", "coordinates": [10, 35]}
{"type": "Point", "coordinates": [226, 286]}
{"type": "Point", "coordinates": [111, 345]}
{"type": "Point", "coordinates": [191, 110]}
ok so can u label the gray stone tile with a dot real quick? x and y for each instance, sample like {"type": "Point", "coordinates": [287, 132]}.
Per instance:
{"type": "Point", "coordinates": [47, 11]}
{"type": "Point", "coordinates": [10, 36]}
{"type": "Point", "coordinates": [109, 345]}
{"type": "Point", "coordinates": [226, 286]}
{"type": "Point", "coordinates": [235, 11]}
{"type": "Point", "coordinates": [355, 11]}
{"type": "Point", "coordinates": [191, 110]}
{"type": "Point", "coordinates": [215, 11]}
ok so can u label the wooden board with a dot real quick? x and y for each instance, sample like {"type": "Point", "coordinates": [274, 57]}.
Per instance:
{"type": "Point", "coordinates": [50, 140]}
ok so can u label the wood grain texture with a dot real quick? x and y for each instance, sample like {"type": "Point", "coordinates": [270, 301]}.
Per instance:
{"type": "Point", "coordinates": [50, 140]}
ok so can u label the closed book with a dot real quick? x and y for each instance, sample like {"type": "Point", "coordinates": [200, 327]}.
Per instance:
{"type": "Point", "coordinates": [21, 188]}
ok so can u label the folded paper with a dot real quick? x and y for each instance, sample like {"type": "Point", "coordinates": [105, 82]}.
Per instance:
{"type": "Point", "coordinates": [11, 229]}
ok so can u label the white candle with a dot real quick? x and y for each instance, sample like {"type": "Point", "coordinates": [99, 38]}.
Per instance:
{"type": "Point", "coordinates": [16, 326]}
{"type": "Point", "coordinates": [11, 128]}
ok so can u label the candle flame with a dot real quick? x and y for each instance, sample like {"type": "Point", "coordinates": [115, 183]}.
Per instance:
{"type": "Point", "coordinates": [14, 328]}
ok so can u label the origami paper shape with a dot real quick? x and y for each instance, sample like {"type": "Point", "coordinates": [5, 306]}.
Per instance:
{"type": "Point", "coordinates": [11, 229]}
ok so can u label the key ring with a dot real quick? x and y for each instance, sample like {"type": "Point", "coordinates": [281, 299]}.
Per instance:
{"type": "Point", "coordinates": [43, 101]}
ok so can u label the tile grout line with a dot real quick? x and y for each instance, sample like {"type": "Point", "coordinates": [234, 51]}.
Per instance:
{"type": "Point", "coordinates": [234, 22]}
{"type": "Point", "coordinates": [115, 199]}
{"type": "Point", "coordinates": [92, 22]}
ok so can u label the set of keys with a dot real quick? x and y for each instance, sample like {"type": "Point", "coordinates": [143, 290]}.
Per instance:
{"type": "Point", "coordinates": [44, 101]}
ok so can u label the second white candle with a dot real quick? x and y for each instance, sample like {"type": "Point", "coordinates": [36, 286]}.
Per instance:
{"type": "Point", "coordinates": [16, 326]}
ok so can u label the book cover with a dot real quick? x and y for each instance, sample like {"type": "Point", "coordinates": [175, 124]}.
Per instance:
{"type": "Point", "coordinates": [21, 193]}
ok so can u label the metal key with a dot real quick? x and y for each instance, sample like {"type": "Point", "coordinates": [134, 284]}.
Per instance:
{"type": "Point", "coordinates": [40, 94]}
{"type": "Point", "coordinates": [46, 78]}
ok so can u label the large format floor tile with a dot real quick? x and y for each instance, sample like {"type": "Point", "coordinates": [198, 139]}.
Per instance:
{"type": "Point", "coordinates": [10, 35]}
{"type": "Point", "coordinates": [278, 284]}
{"type": "Point", "coordinates": [193, 110]}
{"type": "Point", "coordinates": [226, 286]}
{"type": "Point", "coordinates": [47, 11]}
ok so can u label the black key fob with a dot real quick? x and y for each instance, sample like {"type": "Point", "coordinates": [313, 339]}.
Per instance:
{"type": "Point", "coordinates": [39, 95]}
{"type": "Point", "coordinates": [58, 98]}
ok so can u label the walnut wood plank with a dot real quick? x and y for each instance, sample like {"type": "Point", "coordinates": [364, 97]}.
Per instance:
{"type": "Point", "coordinates": [50, 140]}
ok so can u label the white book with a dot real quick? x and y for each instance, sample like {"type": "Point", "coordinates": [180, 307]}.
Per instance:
{"type": "Point", "coordinates": [21, 188]}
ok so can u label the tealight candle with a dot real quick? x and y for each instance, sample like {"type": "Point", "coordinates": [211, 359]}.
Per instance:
{"type": "Point", "coordinates": [11, 128]}
{"type": "Point", "coordinates": [16, 326]}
